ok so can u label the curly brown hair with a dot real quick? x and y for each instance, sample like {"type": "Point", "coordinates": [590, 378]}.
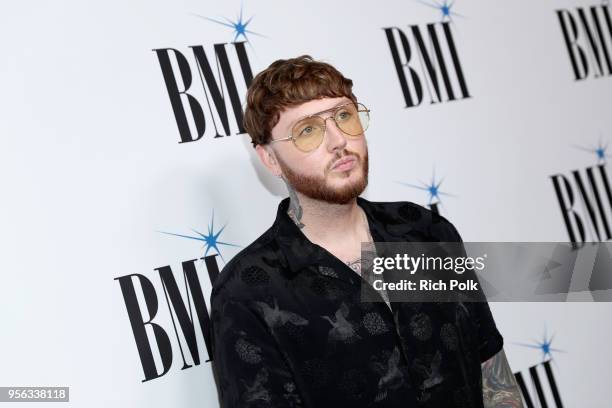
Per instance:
{"type": "Point", "coordinates": [287, 83]}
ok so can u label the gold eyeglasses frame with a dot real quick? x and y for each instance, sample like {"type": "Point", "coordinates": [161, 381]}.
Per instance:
{"type": "Point", "coordinates": [360, 108]}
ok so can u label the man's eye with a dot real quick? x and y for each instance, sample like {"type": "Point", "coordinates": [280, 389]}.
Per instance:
{"type": "Point", "coordinates": [307, 131]}
{"type": "Point", "coordinates": [344, 115]}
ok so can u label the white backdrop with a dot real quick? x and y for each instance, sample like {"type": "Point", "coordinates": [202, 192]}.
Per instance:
{"type": "Point", "coordinates": [92, 169]}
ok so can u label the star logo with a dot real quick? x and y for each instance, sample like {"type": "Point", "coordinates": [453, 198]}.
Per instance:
{"type": "Point", "coordinates": [599, 151]}
{"type": "Point", "coordinates": [239, 26]}
{"type": "Point", "coordinates": [211, 240]}
{"type": "Point", "coordinates": [445, 9]}
{"type": "Point", "coordinates": [433, 188]}
{"type": "Point", "coordinates": [545, 346]}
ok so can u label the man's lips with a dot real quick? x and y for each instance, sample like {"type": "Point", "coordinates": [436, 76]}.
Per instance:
{"type": "Point", "coordinates": [344, 160]}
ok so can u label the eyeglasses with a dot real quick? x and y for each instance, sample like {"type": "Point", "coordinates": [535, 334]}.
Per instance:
{"type": "Point", "coordinates": [307, 134]}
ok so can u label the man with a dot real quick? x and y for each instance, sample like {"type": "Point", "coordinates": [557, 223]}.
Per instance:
{"type": "Point", "coordinates": [289, 328]}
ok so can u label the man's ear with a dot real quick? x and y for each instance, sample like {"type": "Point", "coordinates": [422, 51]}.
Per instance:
{"type": "Point", "coordinates": [267, 157]}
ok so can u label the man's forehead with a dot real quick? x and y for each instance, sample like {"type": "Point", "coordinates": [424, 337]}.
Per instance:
{"type": "Point", "coordinates": [290, 115]}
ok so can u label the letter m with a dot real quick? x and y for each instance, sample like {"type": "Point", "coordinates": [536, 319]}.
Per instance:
{"type": "Point", "coordinates": [180, 309]}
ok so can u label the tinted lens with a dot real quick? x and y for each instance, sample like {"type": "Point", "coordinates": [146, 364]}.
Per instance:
{"type": "Point", "coordinates": [352, 119]}
{"type": "Point", "coordinates": [308, 133]}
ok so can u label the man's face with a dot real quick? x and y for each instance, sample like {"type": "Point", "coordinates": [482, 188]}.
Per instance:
{"type": "Point", "coordinates": [316, 173]}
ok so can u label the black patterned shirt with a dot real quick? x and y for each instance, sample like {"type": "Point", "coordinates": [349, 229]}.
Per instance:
{"type": "Point", "coordinates": [289, 328]}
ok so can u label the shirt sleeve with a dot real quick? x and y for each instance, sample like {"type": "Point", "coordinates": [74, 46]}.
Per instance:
{"type": "Point", "coordinates": [490, 340]}
{"type": "Point", "coordinates": [249, 368]}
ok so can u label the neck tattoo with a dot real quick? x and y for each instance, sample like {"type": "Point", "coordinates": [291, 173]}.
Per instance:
{"type": "Point", "coordinates": [295, 209]}
{"type": "Point", "coordinates": [295, 213]}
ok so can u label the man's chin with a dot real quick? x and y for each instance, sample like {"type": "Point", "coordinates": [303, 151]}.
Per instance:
{"type": "Point", "coordinates": [333, 187]}
{"type": "Point", "coordinates": [337, 191]}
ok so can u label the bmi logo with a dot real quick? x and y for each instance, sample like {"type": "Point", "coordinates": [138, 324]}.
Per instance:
{"type": "Point", "coordinates": [537, 384]}
{"type": "Point", "coordinates": [152, 328]}
{"type": "Point", "coordinates": [544, 391]}
{"type": "Point", "coordinates": [152, 337]}
{"type": "Point", "coordinates": [585, 199]}
{"type": "Point", "coordinates": [208, 114]}
{"type": "Point", "coordinates": [426, 60]}
{"type": "Point", "coordinates": [587, 32]}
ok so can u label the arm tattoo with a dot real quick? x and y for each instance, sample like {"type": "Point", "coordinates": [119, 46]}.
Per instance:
{"type": "Point", "coordinates": [295, 209]}
{"type": "Point", "coordinates": [499, 389]}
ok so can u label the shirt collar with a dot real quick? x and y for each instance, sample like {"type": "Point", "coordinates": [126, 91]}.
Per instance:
{"type": "Point", "coordinates": [300, 252]}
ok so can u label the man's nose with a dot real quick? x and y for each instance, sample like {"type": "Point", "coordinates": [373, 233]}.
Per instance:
{"type": "Point", "coordinates": [336, 139]}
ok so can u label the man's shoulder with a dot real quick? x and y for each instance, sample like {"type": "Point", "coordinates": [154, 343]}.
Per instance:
{"type": "Point", "coordinates": [416, 217]}
{"type": "Point", "coordinates": [242, 271]}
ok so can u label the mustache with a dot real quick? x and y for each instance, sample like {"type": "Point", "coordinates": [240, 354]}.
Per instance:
{"type": "Point", "coordinates": [344, 154]}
